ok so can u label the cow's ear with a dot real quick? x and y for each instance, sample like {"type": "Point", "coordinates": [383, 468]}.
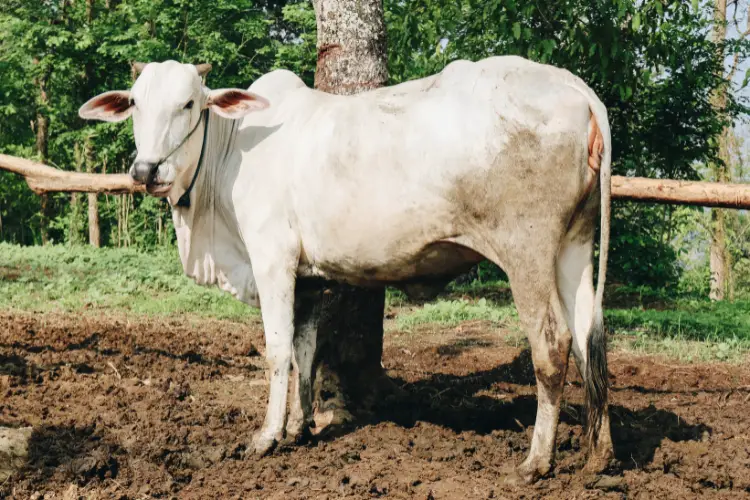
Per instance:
{"type": "Point", "coordinates": [113, 106]}
{"type": "Point", "coordinates": [234, 103]}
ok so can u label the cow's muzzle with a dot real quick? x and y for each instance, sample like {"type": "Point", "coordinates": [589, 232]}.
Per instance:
{"type": "Point", "coordinates": [143, 172]}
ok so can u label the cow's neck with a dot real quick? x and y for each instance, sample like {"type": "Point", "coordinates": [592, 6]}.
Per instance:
{"type": "Point", "coordinates": [211, 218]}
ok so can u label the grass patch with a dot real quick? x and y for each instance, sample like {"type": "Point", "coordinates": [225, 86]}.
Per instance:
{"type": "Point", "coordinates": [686, 329]}
{"type": "Point", "coordinates": [732, 350]}
{"type": "Point", "coordinates": [61, 278]}
{"type": "Point", "coordinates": [690, 330]}
{"type": "Point", "coordinates": [76, 279]}
{"type": "Point", "coordinates": [688, 320]}
{"type": "Point", "coordinates": [452, 312]}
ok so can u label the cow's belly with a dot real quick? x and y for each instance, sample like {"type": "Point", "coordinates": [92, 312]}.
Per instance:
{"type": "Point", "coordinates": [433, 262]}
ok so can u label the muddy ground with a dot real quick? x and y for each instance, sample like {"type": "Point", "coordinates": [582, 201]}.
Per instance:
{"type": "Point", "coordinates": [163, 408]}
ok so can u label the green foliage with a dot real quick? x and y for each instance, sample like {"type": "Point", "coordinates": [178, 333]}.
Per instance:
{"type": "Point", "coordinates": [83, 278]}
{"type": "Point", "coordinates": [652, 62]}
{"type": "Point", "coordinates": [483, 273]}
{"type": "Point", "coordinates": [480, 286]}
{"type": "Point", "coordinates": [73, 53]}
{"type": "Point", "coordinates": [641, 250]}
{"type": "Point", "coordinates": [300, 54]}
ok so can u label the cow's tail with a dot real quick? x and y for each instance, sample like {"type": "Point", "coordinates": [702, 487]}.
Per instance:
{"type": "Point", "coordinates": [595, 378]}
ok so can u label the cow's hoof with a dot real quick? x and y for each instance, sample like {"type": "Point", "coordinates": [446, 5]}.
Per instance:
{"type": "Point", "coordinates": [523, 475]}
{"type": "Point", "coordinates": [297, 434]}
{"type": "Point", "coordinates": [601, 464]}
{"type": "Point", "coordinates": [263, 444]}
{"type": "Point", "coordinates": [601, 459]}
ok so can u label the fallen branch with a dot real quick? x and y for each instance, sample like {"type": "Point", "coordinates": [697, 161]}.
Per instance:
{"type": "Point", "coordinates": [44, 179]}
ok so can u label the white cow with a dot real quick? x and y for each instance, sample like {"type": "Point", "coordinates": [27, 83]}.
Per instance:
{"type": "Point", "coordinates": [503, 159]}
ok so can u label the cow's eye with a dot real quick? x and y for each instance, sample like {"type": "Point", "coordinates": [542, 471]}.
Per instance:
{"type": "Point", "coordinates": [132, 102]}
{"type": "Point", "coordinates": [189, 105]}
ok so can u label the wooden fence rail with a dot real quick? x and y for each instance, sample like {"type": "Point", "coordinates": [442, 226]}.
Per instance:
{"type": "Point", "coordinates": [45, 179]}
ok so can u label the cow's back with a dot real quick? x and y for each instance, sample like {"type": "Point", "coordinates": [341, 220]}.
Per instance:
{"type": "Point", "coordinates": [373, 180]}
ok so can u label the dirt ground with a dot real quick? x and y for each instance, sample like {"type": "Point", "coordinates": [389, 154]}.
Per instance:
{"type": "Point", "coordinates": [126, 408]}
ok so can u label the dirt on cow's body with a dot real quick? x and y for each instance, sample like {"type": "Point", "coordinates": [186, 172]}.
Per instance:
{"type": "Point", "coordinates": [140, 408]}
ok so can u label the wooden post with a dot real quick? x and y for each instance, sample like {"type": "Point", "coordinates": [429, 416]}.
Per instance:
{"type": "Point", "coordinates": [93, 202]}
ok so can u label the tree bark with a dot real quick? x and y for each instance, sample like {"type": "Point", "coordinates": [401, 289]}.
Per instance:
{"type": "Point", "coordinates": [349, 374]}
{"type": "Point", "coordinates": [351, 46]}
{"type": "Point", "coordinates": [719, 257]}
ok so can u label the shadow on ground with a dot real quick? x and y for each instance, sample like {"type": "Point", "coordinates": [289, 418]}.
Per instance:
{"type": "Point", "coordinates": [77, 452]}
{"type": "Point", "coordinates": [451, 401]}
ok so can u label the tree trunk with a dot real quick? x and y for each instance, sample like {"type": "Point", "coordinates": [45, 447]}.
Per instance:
{"type": "Point", "coordinates": [349, 374]}
{"type": "Point", "coordinates": [351, 46]}
{"type": "Point", "coordinates": [718, 260]}
{"type": "Point", "coordinates": [94, 238]}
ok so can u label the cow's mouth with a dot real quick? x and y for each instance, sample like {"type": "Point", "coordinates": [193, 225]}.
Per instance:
{"type": "Point", "coordinates": [158, 189]}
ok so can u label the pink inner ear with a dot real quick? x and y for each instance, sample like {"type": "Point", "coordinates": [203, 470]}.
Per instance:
{"type": "Point", "coordinates": [230, 98]}
{"type": "Point", "coordinates": [113, 103]}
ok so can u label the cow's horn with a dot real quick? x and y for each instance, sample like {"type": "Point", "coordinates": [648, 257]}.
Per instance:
{"type": "Point", "coordinates": [138, 67]}
{"type": "Point", "coordinates": [203, 69]}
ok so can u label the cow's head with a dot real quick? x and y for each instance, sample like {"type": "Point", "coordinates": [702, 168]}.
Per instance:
{"type": "Point", "coordinates": [166, 103]}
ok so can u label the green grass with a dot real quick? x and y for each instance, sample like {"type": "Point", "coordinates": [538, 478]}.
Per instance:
{"type": "Point", "coordinates": [690, 330]}
{"type": "Point", "coordinates": [687, 329]}
{"type": "Point", "coordinates": [452, 312]}
{"type": "Point", "coordinates": [686, 319]}
{"type": "Point", "coordinates": [60, 278]}
{"type": "Point", "coordinates": [76, 279]}
{"type": "Point", "coordinates": [735, 350]}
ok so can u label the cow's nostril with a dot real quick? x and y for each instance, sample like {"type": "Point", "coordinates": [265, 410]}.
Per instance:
{"type": "Point", "coordinates": [142, 171]}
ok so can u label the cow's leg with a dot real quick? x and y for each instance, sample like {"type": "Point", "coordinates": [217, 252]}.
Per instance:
{"type": "Point", "coordinates": [575, 282]}
{"type": "Point", "coordinates": [539, 309]}
{"type": "Point", "coordinates": [306, 318]}
{"type": "Point", "coordinates": [275, 283]}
